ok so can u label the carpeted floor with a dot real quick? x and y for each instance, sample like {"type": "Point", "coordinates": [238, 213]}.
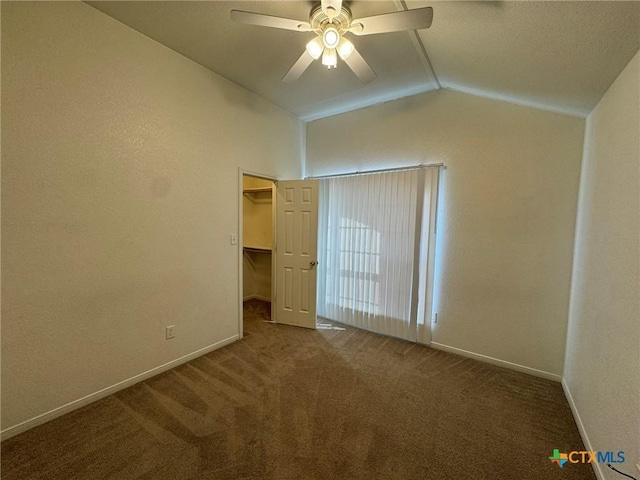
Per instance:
{"type": "Point", "coordinates": [289, 403]}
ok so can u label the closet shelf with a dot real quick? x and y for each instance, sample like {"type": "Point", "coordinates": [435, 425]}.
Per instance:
{"type": "Point", "coordinates": [256, 249]}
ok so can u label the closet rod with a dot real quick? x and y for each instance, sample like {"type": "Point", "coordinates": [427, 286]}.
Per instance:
{"type": "Point", "coordinates": [382, 170]}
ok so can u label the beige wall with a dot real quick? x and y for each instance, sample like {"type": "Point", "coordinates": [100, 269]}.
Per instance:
{"type": "Point", "coordinates": [508, 206]}
{"type": "Point", "coordinates": [119, 193]}
{"type": "Point", "coordinates": [602, 368]}
{"type": "Point", "coordinates": [257, 276]}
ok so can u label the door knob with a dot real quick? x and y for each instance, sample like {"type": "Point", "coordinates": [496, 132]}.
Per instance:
{"type": "Point", "coordinates": [313, 263]}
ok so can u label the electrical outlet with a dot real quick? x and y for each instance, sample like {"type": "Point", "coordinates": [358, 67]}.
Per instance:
{"type": "Point", "coordinates": [171, 331]}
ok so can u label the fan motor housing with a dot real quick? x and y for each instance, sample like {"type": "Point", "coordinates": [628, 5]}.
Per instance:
{"type": "Point", "coordinates": [318, 19]}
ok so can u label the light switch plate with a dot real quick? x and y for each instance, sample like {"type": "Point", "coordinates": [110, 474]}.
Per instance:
{"type": "Point", "coordinates": [171, 332]}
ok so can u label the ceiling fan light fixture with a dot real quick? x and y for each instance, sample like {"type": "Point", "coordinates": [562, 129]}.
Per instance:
{"type": "Point", "coordinates": [345, 48]}
{"type": "Point", "coordinates": [329, 58]}
{"type": "Point", "coordinates": [315, 47]}
{"type": "Point", "coordinates": [331, 37]}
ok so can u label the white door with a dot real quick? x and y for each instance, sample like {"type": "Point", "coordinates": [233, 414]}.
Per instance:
{"type": "Point", "coordinates": [296, 252]}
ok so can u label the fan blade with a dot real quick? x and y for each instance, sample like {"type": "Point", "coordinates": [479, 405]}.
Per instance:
{"type": "Point", "coordinates": [261, 20]}
{"type": "Point", "coordinates": [331, 8]}
{"type": "Point", "coordinates": [393, 22]}
{"type": "Point", "coordinates": [360, 67]}
{"type": "Point", "coordinates": [298, 68]}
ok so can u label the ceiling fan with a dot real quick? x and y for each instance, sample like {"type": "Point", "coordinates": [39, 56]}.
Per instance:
{"type": "Point", "coordinates": [330, 21]}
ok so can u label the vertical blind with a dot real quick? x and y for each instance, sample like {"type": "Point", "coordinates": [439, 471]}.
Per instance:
{"type": "Point", "coordinates": [373, 253]}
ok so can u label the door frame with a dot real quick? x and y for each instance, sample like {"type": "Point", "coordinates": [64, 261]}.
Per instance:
{"type": "Point", "coordinates": [241, 173]}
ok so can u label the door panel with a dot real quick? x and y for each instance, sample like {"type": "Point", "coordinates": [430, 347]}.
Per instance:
{"type": "Point", "coordinates": [296, 252]}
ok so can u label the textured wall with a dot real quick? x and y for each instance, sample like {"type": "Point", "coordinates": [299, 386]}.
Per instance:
{"type": "Point", "coordinates": [602, 368]}
{"type": "Point", "coordinates": [119, 192]}
{"type": "Point", "coordinates": [507, 212]}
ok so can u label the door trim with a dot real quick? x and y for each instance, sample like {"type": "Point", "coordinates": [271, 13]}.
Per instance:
{"type": "Point", "coordinates": [241, 173]}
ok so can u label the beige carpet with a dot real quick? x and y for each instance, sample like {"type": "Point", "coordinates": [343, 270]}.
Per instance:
{"type": "Point", "coordinates": [289, 403]}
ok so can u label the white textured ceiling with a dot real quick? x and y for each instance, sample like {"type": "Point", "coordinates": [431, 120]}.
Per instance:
{"type": "Point", "coordinates": [560, 56]}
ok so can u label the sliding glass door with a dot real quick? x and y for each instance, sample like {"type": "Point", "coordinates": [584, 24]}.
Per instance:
{"type": "Point", "coordinates": [374, 249]}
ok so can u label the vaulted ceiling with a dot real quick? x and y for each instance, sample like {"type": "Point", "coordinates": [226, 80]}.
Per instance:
{"type": "Point", "coordinates": [560, 56]}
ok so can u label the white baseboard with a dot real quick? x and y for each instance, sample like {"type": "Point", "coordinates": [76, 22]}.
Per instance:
{"type": "Point", "coordinates": [256, 297]}
{"type": "Point", "coordinates": [105, 392]}
{"type": "Point", "coordinates": [581, 429]}
{"type": "Point", "coordinates": [495, 361]}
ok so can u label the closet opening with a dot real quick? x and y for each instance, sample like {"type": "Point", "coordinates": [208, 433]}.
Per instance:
{"type": "Point", "coordinates": [257, 237]}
